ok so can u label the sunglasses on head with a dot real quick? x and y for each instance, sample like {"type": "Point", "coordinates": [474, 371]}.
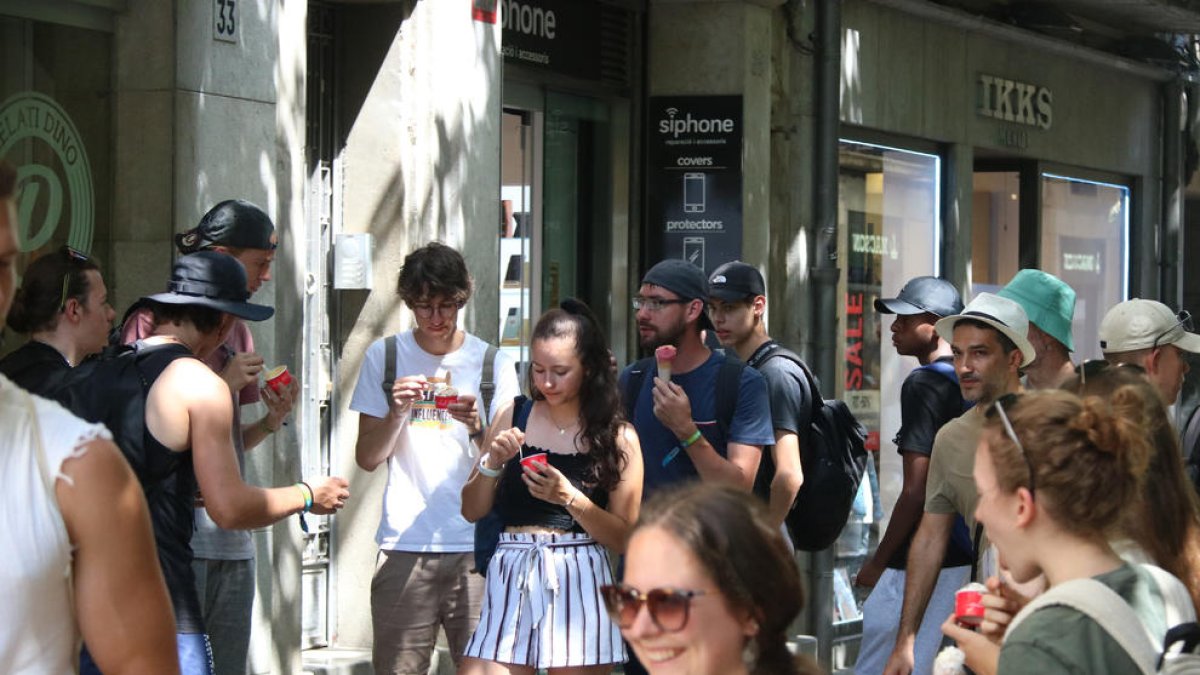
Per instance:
{"type": "Point", "coordinates": [72, 255]}
{"type": "Point", "coordinates": [1093, 367]}
{"type": "Point", "coordinates": [1009, 400]}
{"type": "Point", "coordinates": [1183, 320]}
{"type": "Point", "coordinates": [668, 607]}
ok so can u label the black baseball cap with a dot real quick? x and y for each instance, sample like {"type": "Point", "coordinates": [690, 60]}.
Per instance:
{"type": "Point", "coordinates": [683, 279]}
{"type": "Point", "coordinates": [235, 223]}
{"type": "Point", "coordinates": [211, 279]}
{"type": "Point", "coordinates": [736, 281]}
{"type": "Point", "coordinates": [923, 294]}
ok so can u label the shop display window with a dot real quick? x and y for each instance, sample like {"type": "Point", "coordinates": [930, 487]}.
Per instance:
{"type": "Point", "coordinates": [889, 227]}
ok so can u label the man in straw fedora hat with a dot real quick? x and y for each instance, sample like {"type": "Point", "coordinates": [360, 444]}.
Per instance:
{"type": "Point", "coordinates": [990, 343]}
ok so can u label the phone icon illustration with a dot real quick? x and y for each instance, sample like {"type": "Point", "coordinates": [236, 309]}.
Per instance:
{"type": "Point", "coordinates": [693, 192]}
{"type": "Point", "coordinates": [693, 251]}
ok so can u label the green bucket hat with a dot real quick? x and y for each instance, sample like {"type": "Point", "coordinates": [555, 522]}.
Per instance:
{"type": "Point", "coordinates": [1048, 300]}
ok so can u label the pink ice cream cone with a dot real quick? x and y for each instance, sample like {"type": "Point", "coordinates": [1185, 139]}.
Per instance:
{"type": "Point", "coordinates": [664, 355]}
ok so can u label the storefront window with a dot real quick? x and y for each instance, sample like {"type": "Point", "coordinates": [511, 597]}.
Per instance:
{"type": "Point", "coordinates": [1084, 242]}
{"type": "Point", "coordinates": [890, 228]}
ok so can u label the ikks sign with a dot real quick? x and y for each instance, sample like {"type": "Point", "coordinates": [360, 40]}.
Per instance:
{"type": "Point", "coordinates": [1017, 102]}
{"type": "Point", "coordinates": [56, 188]}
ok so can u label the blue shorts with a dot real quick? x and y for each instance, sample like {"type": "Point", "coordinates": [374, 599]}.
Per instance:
{"type": "Point", "coordinates": [195, 656]}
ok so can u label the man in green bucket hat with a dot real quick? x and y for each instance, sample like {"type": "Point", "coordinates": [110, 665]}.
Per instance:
{"type": "Point", "coordinates": [1050, 304]}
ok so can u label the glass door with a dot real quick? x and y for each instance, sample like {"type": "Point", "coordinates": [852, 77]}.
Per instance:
{"type": "Point", "coordinates": [519, 221]}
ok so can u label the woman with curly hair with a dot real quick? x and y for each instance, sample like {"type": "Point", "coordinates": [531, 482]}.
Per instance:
{"type": "Point", "coordinates": [1055, 472]}
{"type": "Point", "coordinates": [564, 471]}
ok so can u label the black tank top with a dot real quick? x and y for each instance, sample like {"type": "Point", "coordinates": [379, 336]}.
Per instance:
{"type": "Point", "coordinates": [517, 507]}
{"type": "Point", "coordinates": [169, 481]}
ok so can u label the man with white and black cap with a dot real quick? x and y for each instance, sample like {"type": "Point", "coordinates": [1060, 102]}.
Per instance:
{"type": "Point", "coordinates": [929, 398]}
{"type": "Point", "coordinates": [737, 304]}
{"type": "Point", "coordinates": [1147, 333]}
{"type": "Point", "coordinates": [186, 435]}
{"type": "Point", "coordinates": [990, 346]}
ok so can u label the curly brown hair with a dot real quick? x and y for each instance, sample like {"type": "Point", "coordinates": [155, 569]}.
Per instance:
{"type": "Point", "coordinates": [1165, 519]}
{"type": "Point", "coordinates": [1088, 456]}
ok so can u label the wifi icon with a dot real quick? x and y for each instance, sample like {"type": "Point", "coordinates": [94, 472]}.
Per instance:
{"type": "Point", "coordinates": [671, 112]}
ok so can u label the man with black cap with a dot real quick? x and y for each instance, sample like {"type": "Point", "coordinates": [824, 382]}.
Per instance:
{"type": "Point", "coordinates": [187, 432]}
{"type": "Point", "coordinates": [737, 304]}
{"type": "Point", "coordinates": [225, 558]}
{"type": "Point", "coordinates": [929, 398]}
{"type": "Point", "coordinates": [676, 417]}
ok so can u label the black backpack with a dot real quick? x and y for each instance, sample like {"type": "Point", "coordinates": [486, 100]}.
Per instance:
{"type": "Point", "coordinates": [833, 457]}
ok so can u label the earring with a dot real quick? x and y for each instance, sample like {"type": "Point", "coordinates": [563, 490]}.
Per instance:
{"type": "Point", "coordinates": [750, 652]}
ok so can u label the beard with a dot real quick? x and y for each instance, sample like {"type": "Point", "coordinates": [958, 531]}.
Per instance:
{"type": "Point", "coordinates": [670, 335]}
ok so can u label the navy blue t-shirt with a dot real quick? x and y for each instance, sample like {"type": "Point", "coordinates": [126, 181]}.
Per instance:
{"type": "Point", "coordinates": [751, 422]}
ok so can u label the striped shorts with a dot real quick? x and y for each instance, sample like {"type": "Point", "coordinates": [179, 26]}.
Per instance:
{"type": "Point", "coordinates": [542, 607]}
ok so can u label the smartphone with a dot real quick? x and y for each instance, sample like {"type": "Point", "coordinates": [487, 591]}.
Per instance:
{"type": "Point", "coordinates": [693, 251]}
{"type": "Point", "coordinates": [693, 193]}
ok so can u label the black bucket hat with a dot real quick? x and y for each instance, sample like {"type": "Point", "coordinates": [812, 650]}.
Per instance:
{"type": "Point", "coordinates": [212, 279]}
{"type": "Point", "coordinates": [235, 223]}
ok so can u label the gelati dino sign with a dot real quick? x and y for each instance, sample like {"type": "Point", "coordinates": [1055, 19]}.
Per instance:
{"type": "Point", "coordinates": [695, 173]}
{"type": "Point", "coordinates": [57, 188]}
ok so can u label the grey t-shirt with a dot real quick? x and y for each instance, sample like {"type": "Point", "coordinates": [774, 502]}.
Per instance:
{"type": "Point", "coordinates": [790, 397]}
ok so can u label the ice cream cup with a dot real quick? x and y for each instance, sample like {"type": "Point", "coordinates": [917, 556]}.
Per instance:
{"type": "Point", "coordinates": [442, 399]}
{"type": "Point", "coordinates": [277, 378]}
{"type": "Point", "coordinates": [538, 458]}
{"type": "Point", "coordinates": [968, 604]}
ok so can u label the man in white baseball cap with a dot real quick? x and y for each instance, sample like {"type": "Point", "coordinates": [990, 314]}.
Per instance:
{"type": "Point", "coordinates": [990, 342]}
{"type": "Point", "coordinates": [1147, 333]}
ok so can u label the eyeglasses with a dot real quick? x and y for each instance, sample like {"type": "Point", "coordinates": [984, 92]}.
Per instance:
{"type": "Point", "coordinates": [998, 406]}
{"type": "Point", "coordinates": [1093, 367]}
{"type": "Point", "coordinates": [426, 310]}
{"type": "Point", "coordinates": [1184, 320]}
{"type": "Point", "coordinates": [668, 607]}
{"type": "Point", "coordinates": [655, 304]}
{"type": "Point", "coordinates": [72, 255]}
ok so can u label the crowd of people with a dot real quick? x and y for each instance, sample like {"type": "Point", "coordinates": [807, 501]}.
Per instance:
{"type": "Point", "coordinates": [591, 518]}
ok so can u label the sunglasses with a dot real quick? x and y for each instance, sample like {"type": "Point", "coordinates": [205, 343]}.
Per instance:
{"type": "Point", "coordinates": [1184, 320]}
{"type": "Point", "coordinates": [668, 607]}
{"type": "Point", "coordinates": [1010, 400]}
{"type": "Point", "coordinates": [1093, 367]}
{"type": "Point", "coordinates": [72, 255]}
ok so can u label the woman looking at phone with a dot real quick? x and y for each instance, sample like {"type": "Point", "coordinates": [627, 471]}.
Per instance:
{"type": "Point", "coordinates": [542, 607]}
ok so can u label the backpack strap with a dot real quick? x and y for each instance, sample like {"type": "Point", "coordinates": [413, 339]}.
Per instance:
{"type": "Point", "coordinates": [522, 406]}
{"type": "Point", "coordinates": [487, 383]}
{"type": "Point", "coordinates": [633, 385]}
{"type": "Point", "coordinates": [729, 379]}
{"type": "Point", "coordinates": [1191, 436]}
{"type": "Point", "coordinates": [1104, 606]}
{"type": "Point", "coordinates": [771, 350]}
{"type": "Point", "coordinates": [389, 363]}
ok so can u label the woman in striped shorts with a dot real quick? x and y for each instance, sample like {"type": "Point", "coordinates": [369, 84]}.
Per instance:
{"type": "Point", "coordinates": [564, 472]}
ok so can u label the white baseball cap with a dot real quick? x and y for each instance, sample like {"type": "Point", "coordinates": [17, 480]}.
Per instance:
{"type": "Point", "coordinates": [1000, 313]}
{"type": "Point", "coordinates": [1144, 324]}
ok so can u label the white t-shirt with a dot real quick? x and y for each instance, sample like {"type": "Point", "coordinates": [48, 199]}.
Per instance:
{"type": "Point", "coordinates": [422, 506]}
{"type": "Point", "coordinates": [38, 630]}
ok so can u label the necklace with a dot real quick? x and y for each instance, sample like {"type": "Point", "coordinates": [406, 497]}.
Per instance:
{"type": "Point", "coordinates": [561, 429]}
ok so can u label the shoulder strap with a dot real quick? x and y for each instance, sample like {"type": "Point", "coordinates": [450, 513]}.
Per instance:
{"type": "Point", "coordinates": [522, 406]}
{"type": "Point", "coordinates": [1104, 606]}
{"type": "Point", "coordinates": [389, 363]}
{"type": "Point", "coordinates": [729, 379]}
{"type": "Point", "coordinates": [487, 383]}
{"type": "Point", "coordinates": [1191, 435]}
{"type": "Point", "coordinates": [814, 392]}
{"type": "Point", "coordinates": [633, 385]}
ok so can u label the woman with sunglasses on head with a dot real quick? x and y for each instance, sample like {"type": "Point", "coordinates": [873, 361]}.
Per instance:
{"type": "Point", "coordinates": [710, 587]}
{"type": "Point", "coordinates": [63, 306]}
{"type": "Point", "coordinates": [564, 472]}
{"type": "Point", "coordinates": [1054, 473]}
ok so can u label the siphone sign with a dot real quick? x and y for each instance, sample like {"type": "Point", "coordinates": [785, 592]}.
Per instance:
{"type": "Point", "coordinates": [695, 175]}
{"type": "Point", "coordinates": [557, 35]}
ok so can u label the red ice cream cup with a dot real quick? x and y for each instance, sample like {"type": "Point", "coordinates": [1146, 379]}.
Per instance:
{"type": "Point", "coordinates": [530, 460]}
{"type": "Point", "coordinates": [968, 604]}
{"type": "Point", "coordinates": [445, 397]}
{"type": "Point", "coordinates": [278, 377]}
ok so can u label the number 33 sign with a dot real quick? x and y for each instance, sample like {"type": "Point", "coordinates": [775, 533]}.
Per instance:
{"type": "Point", "coordinates": [225, 21]}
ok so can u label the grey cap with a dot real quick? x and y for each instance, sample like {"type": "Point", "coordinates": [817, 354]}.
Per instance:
{"type": "Point", "coordinates": [923, 294]}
